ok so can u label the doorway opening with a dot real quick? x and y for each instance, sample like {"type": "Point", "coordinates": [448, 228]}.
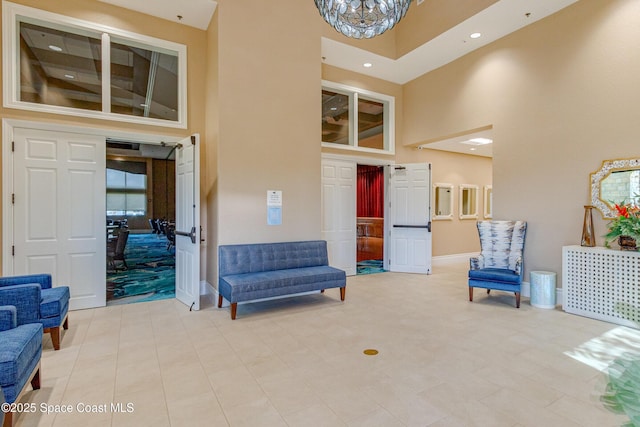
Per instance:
{"type": "Point", "coordinates": [140, 218]}
{"type": "Point", "coordinates": [370, 219]}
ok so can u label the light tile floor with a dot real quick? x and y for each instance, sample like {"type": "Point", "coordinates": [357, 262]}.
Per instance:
{"type": "Point", "coordinates": [442, 361]}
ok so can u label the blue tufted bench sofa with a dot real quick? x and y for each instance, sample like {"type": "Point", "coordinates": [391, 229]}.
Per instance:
{"type": "Point", "coordinates": [263, 270]}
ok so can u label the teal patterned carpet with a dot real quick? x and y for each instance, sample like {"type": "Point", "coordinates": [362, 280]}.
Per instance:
{"type": "Point", "coordinates": [370, 266]}
{"type": "Point", "coordinates": [151, 274]}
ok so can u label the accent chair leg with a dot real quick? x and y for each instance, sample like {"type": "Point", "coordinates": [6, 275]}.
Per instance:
{"type": "Point", "coordinates": [35, 381]}
{"type": "Point", "coordinates": [65, 324]}
{"type": "Point", "coordinates": [470, 293]}
{"type": "Point", "coordinates": [517, 299]}
{"type": "Point", "coordinates": [219, 301]}
{"type": "Point", "coordinates": [234, 310]}
{"type": "Point", "coordinates": [343, 291]}
{"type": "Point", "coordinates": [488, 290]}
{"type": "Point", "coordinates": [322, 291]}
{"type": "Point", "coordinates": [55, 337]}
{"type": "Point", "coordinates": [8, 419]}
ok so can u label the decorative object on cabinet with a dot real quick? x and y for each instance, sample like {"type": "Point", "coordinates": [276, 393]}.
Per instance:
{"type": "Point", "coordinates": [588, 234]}
{"type": "Point", "coordinates": [602, 284]}
{"type": "Point", "coordinates": [626, 225]}
{"type": "Point", "coordinates": [442, 201]}
{"type": "Point", "coordinates": [615, 180]}
{"type": "Point", "coordinates": [627, 243]}
{"type": "Point", "coordinates": [488, 201]}
{"type": "Point", "coordinates": [468, 201]}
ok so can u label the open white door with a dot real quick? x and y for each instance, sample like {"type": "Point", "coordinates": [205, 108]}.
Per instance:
{"type": "Point", "coordinates": [59, 210]}
{"type": "Point", "coordinates": [339, 213]}
{"type": "Point", "coordinates": [410, 218]}
{"type": "Point", "coordinates": [188, 222]}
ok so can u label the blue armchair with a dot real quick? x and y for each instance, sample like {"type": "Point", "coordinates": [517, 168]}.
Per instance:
{"type": "Point", "coordinates": [21, 347]}
{"type": "Point", "coordinates": [53, 309]}
{"type": "Point", "coordinates": [500, 263]}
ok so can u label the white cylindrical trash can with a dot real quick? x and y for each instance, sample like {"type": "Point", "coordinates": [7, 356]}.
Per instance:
{"type": "Point", "coordinates": [543, 289]}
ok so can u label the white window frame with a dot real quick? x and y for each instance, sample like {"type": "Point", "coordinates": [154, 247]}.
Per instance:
{"type": "Point", "coordinates": [389, 118]}
{"type": "Point", "coordinates": [126, 191]}
{"type": "Point", "coordinates": [13, 13]}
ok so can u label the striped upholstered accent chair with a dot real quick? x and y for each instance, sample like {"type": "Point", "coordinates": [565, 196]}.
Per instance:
{"type": "Point", "coordinates": [500, 263]}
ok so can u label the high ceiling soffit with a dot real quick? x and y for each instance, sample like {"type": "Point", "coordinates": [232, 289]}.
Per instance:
{"type": "Point", "coordinates": [498, 20]}
{"type": "Point", "coordinates": [493, 23]}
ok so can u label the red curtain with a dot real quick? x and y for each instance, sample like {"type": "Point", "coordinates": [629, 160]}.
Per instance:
{"type": "Point", "coordinates": [370, 191]}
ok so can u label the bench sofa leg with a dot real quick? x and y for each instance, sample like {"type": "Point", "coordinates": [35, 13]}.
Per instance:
{"type": "Point", "coordinates": [342, 292]}
{"type": "Point", "coordinates": [8, 419]}
{"type": "Point", "coordinates": [234, 309]}
{"type": "Point", "coordinates": [219, 301]}
{"type": "Point", "coordinates": [470, 293]}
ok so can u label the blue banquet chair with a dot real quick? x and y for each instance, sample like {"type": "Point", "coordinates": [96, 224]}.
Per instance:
{"type": "Point", "coordinates": [500, 264]}
{"type": "Point", "coordinates": [21, 346]}
{"type": "Point", "coordinates": [53, 309]}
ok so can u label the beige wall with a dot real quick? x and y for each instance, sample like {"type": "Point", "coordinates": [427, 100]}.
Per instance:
{"type": "Point", "coordinates": [209, 174]}
{"type": "Point", "coordinates": [269, 136]}
{"type": "Point", "coordinates": [562, 96]}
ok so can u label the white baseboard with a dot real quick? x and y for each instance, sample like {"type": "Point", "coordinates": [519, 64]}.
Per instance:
{"type": "Point", "coordinates": [452, 259]}
{"type": "Point", "coordinates": [207, 288]}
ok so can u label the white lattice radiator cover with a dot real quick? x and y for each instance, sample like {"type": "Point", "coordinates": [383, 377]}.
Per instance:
{"type": "Point", "coordinates": [602, 284]}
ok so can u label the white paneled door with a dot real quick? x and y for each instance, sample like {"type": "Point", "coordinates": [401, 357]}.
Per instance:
{"type": "Point", "coordinates": [410, 218]}
{"type": "Point", "coordinates": [339, 213]}
{"type": "Point", "coordinates": [188, 222]}
{"type": "Point", "coordinates": [59, 211]}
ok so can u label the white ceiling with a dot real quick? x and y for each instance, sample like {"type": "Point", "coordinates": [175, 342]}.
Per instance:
{"type": "Point", "coordinates": [461, 144]}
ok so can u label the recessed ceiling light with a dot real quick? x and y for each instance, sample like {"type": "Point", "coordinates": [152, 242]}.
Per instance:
{"type": "Point", "coordinates": [367, 65]}
{"type": "Point", "coordinates": [475, 35]}
{"type": "Point", "coordinates": [55, 48]}
{"type": "Point", "coordinates": [477, 141]}
{"type": "Point", "coordinates": [482, 140]}
{"type": "Point", "coordinates": [472, 149]}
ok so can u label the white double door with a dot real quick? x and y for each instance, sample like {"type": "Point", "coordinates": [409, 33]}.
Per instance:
{"type": "Point", "coordinates": [407, 216]}
{"type": "Point", "coordinates": [56, 223]}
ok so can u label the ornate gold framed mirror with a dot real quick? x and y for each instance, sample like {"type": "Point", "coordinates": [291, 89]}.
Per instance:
{"type": "Point", "coordinates": [617, 181]}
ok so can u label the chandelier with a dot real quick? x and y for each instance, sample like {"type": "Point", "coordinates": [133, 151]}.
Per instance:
{"type": "Point", "coordinates": [360, 19]}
